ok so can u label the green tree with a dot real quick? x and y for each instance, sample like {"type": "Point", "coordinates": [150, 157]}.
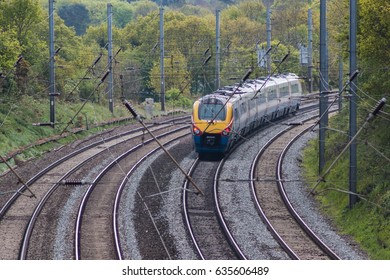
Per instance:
{"type": "Point", "coordinates": [9, 50]}
{"type": "Point", "coordinates": [191, 36]}
{"type": "Point", "coordinates": [21, 16]}
{"type": "Point", "coordinates": [122, 14]}
{"type": "Point", "coordinates": [21, 22]}
{"type": "Point", "coordinates": [176, 74]}
{"type": "Point", "coordinates": [75, 15]}
{"type": "Point", "coordinates": [374, 53]}
{"type": "Point", "coordinates": [143, 8]}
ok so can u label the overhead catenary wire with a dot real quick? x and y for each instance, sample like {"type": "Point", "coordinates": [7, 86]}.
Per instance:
{"type": "Point", "coordinates": [242, 81]}
{"type": "Point", "coordinates": [362, 197]}
{"type": "Point", "coordinates": [353, 76]}
{"type": "Point", "coordinates": [321, 178]}
{"type": "Point", "coordinates": [18, 176]}
{"type": "Point", "coordinates": [4, 160]}
{"type": "Point", "coordinates": [377, 151]}
{"type": "Point", "coordinates": [246, 76]}
{"type": "Point", "coordinates": [362, 142]}
{"type": "Point", "coordinates": [84, 103]}
{"type": "Point", "coordinates": [139, 119]}
{"type": "Point", "coordinates": [383, 113]}
{"type": "Point", "coordinates": [89, 69]}
{"type": "Point", "coordinates": [271, 74]}
{"type": "Point", "coordinates": [93, 92]}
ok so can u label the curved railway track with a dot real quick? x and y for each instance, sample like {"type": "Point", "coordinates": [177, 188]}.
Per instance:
{"type": "Point", "coordinates": [272, 202]}
{"type": "Point", "coordinates": [201, 214]}
{"type": "Point", "coordinates": [95, 233]}
{"type": "Point", "coordinates": [82, 203]}
{"type": "Point", "coordinates": [20, 214]}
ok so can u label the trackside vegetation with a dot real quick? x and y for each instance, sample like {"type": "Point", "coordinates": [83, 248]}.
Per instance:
{"type": "Point", "coordinates": [368, 222]}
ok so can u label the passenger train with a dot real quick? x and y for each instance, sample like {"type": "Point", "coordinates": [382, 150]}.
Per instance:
{"type": "Point", "coordinates": [220, 119]}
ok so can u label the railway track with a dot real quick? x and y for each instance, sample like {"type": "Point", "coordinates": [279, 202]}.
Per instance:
{"type": "Point", "coordinates": [89, 218]}
{"type": "Point", "coordinates": [21, 214]}
{"type": "Point", "coordinates": [201, 214]}
{"type": "Point", "coordinates": [272, 202]}
{"type": "Point", "coordinates": [95, 234]}
{"type": "Point", "coordinates": [148, 209]}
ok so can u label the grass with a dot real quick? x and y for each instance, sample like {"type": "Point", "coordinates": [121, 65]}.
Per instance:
{"type": "Point", "coordinates": [368, 222]}
{"type": "Point", "coordinates": [17, 132]}
{"type": "Point", "coordinates": [20, 138]}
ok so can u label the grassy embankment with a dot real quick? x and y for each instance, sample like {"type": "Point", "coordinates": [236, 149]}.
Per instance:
{"type": "Point", "coordinates": [20, 139]}
{"type": "Point", "coordinates": [368, 222]}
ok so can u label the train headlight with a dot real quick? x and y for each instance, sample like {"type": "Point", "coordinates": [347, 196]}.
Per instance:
{"type": "Point", "coordinates": [196, 131]}
{"type": "Point", "coordinates": [226, 131]}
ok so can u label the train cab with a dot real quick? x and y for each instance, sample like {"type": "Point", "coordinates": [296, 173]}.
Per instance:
{"type": "Point", "coordinates": [211, 124]}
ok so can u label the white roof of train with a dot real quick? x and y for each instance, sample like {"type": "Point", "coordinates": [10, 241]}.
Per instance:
{"type": "Point", "coordinates": [251, 86]}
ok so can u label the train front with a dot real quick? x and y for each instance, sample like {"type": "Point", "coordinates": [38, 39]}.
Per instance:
{"type": "Point", "coordinates": [212, 125]}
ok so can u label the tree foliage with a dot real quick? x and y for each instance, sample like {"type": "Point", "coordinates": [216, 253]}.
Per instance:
{"type": "Point", "coordinates": [9, 50]}
{"type": "Point", "coordinates": [75, 15]}
{"type": "Point", "coordinates": [189, 34]}
{"type": "Point", "coordinates": [21, 16]}
{"type": "Point", "coordinates": [373, 45]}
{"type": "Point", "coordinates": [19, 21]}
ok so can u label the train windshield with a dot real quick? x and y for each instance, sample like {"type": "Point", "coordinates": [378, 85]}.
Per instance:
{"type": "Point", "coordinates": [212, 109]}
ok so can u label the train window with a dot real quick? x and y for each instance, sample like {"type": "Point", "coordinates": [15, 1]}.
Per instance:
{"type": "Point", "coordinates": [212, 109]}
{"type": "Point", "coordinates": [272, 95]}
{"type": "Point", "coordinates": [284, 91]}
{"type": "Point", "coordinates": [295, 88]}
{"type": "Point", "coordinates": [262, 98]}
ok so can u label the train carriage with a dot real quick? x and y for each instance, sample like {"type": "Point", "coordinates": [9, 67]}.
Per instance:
{"type": "Point", "coordinates": [221, 118]}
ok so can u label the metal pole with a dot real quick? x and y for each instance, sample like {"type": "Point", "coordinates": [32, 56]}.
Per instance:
{"type": "Point", "coordinates": [310, 50]}
{"type": "Point", "coordinates": [269, 29]}
{"type": "Point", "coordinates": [162, 78]}
{"type": "Point", "coordinates": [323, 84]}
{"type": "Point", "coordinates": [18, 176]}
{"type": "Point", "coordinates": [52, 86]}
{"type": "Point", "coordinates": [370, 116]}
{"type": "Point", "coordinates": [341, 74]}
{"type": "Point", "coordinates": [110, 75]}
{"type": "Point", "coordinates": [217, 51]}
{"type": "Point", "coordinates": [353, 105]}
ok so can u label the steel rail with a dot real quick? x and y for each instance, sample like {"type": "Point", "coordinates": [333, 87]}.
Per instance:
{"type": "Point", "coordinates": [262, 214]}
{"type": "Point", "coordinates": [290, 207]}
{"type": "Point", "coordinates": [38, 208]}
{"type": "Point", "coordinates": [41, 173]}
{"type": "Point", "coordinates": [29, 229]}
{"type": "Point", "coordinates": [221, 218]}
{"type": "Point", "coordinates": [119, 192]}
{"type": "Point", "coordinates": [186, 214]}
{"type": "Point", "coordinates": [114, 162]}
